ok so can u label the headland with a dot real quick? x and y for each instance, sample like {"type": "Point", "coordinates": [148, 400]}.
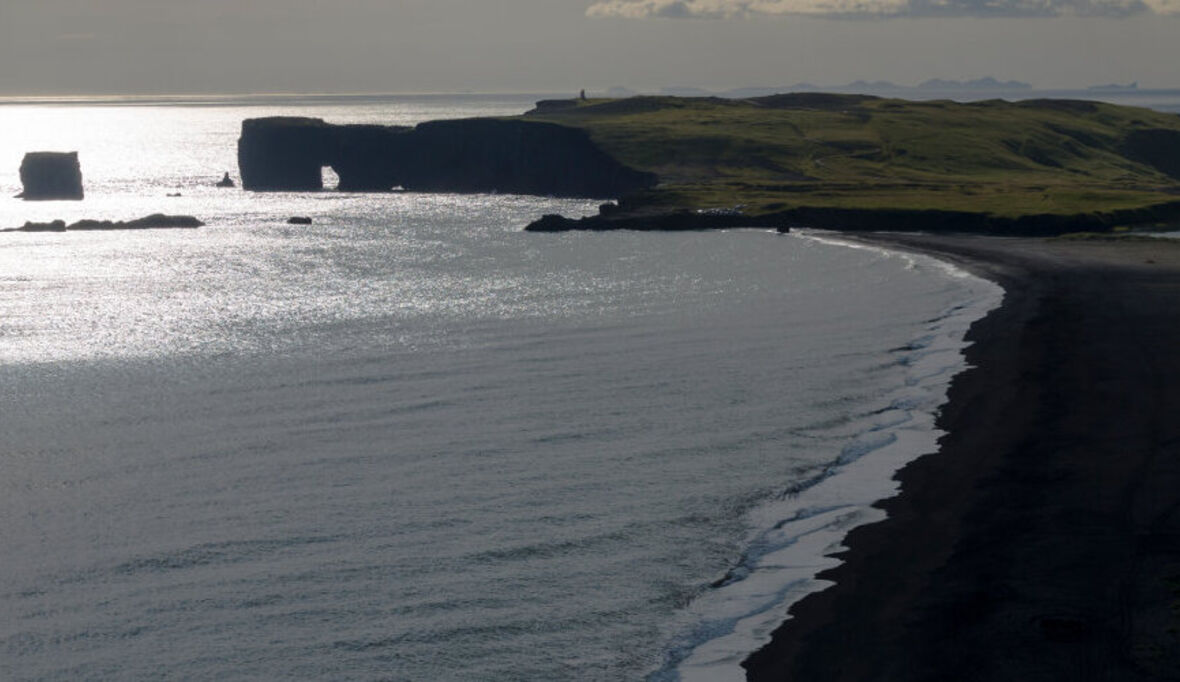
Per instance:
{"type": "Point", "coordinates": [858, 162]}
{"type": "Point", "coordinates": [847, 162]}
{"type": "Point", "coordinates": [468, 155]}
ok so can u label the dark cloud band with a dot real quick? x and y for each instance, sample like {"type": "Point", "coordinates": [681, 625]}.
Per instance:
{"type": "Point", "coordinates": [723, 9]}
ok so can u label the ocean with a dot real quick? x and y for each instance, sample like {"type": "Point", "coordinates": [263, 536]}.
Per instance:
{"type": "Point", "coordinates": [412, 442]}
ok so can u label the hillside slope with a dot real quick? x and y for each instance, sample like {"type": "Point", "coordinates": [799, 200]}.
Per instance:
{"type": "Point", "coordinates": [769, 154]}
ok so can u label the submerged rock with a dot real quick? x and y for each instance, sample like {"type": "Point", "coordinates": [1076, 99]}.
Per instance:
{"type": "Point", "coordinates": [52, 226]}
{"type": "Point", "coordinates": [154, 221]}
{"type": "Point", "coordinates": [51, 175]}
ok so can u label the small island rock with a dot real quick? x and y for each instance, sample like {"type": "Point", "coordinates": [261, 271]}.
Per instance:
{"type": "Point", "coordinates": [51, 175]}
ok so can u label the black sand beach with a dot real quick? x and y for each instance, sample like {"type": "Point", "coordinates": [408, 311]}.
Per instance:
{"type": "Point", "coordinates": [1043, 541]}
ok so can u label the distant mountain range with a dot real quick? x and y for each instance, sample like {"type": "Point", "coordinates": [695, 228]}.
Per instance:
{"type": "Point", "coordinates": [984, 84]}
{"type": "Point", "coordinates": [934, 88]}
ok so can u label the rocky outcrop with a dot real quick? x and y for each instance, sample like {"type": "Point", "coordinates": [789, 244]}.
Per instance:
{"type": "Point", "coordinates": [671, 221]}
{"type": "Point", "coordinates": [469, 155]}
{"type": "Point", "coordinates": [51, 175]}
{"type": "Point", "coordinates": [862, 219]}
{"type": "Point", "coordinates": [154, 221]}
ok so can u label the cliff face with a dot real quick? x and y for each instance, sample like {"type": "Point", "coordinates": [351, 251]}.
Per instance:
{"type": "Point", "coordinates": [284, 153]}
{"type": "Point", "coordinates": [470, 155]}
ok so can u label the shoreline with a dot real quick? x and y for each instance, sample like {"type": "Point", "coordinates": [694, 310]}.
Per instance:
{"type": "Point", "coordinates": [1042, 541]}
{"type": "Point", "coordinates": [798, 530]}
{"type": "Point", "coordinates": [630, 214]}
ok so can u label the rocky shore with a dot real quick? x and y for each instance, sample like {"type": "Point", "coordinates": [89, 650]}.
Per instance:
{"type": "Point", "coordinates": [671, 221]}
{"type": "Point", "coordinates": [611, 217]}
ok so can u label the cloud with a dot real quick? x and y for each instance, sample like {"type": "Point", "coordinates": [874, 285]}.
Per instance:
{"type": "Point", "coordinates": [638, 9]}
{"type": "Point", "coordinates": [725, 9]}
{"type": "Point", "coordinates": [1163, 6]}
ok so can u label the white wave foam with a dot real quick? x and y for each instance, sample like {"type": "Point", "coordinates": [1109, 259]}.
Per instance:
{"type": "Point", "coordinates": [796, 535]}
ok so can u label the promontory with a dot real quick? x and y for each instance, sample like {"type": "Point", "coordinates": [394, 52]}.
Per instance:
{"type": "Point", "coordinates": [822, 160]}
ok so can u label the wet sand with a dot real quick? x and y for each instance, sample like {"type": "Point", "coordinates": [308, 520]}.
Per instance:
{"type": "Point", "coordinates": [1043, 541]}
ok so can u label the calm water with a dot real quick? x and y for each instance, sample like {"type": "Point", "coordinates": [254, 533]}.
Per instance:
{"type": "Point", "coordinates": [412, 442]}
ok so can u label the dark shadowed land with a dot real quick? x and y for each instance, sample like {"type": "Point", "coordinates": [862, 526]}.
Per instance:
{"type": "Point", "coordinates": [1043, 541]}
{"type": "Point", "coordinates": [856, 162]}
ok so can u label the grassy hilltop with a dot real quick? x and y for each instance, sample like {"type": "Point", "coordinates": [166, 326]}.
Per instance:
{"type": "Point", "coordinates": [1006, 159]}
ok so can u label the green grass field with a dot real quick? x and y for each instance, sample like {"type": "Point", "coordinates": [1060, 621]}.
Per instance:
{"type": "Point", "coordinates": [786, 151]}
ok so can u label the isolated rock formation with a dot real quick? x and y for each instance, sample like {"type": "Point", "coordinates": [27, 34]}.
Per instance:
{"type": "Point", "coordinates": [469, 155]}
{"type": "Point", "coordinates": [51, 175]}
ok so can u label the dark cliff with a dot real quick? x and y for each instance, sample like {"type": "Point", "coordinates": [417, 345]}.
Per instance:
{"type": "Point", "coordinates": [469, 155]}
{"type": "Point", "coordinates": [284, 153]}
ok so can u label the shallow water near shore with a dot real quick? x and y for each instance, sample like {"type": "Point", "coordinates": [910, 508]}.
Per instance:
{"type": "Point", "coordinates": [410, 441]}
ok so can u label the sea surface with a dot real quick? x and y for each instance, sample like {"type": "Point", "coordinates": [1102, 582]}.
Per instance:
{"type": "Point", "coordinates": [411, 441]}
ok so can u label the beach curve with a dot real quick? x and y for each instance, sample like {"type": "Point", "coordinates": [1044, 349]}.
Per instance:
{"type": "Point", "coordinates": [1043, 540]}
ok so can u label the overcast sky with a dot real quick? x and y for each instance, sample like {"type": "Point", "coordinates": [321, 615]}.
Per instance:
{"type": "Point", "coordinates": [209, 46]}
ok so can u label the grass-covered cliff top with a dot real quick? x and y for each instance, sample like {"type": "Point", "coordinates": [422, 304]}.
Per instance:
{"type": "Point", "coordinates": [1002, 158]}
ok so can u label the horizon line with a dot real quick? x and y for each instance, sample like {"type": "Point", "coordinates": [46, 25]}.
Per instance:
{"type": "Point", "coordinates": [66, 98]}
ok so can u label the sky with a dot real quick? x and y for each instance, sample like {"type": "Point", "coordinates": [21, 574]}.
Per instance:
{"type": "Point", "coordinates": [79, 47]}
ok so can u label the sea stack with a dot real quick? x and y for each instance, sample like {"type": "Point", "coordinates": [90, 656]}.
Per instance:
{"type": "Point", "coordinates": [51, 175]}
